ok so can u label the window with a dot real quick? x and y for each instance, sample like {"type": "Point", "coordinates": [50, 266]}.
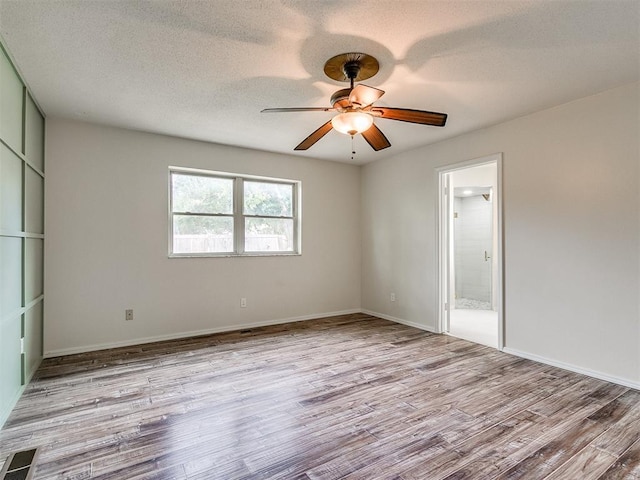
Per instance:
{"type": "Point", "coordinates": [221, 214]}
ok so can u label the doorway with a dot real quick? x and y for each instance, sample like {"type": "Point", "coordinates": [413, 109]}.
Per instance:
{"type": "Point", "coordinates": [470, 260]}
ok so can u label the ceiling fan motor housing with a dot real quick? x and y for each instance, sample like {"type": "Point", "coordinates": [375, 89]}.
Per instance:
{"type": "Point", "coordinates": [351, 69]}
{"type": "Point", "coordinates": [340, 99]}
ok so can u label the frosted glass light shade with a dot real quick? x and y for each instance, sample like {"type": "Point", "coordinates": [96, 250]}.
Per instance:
{"type": "Point", "coordinates": [351, 123]}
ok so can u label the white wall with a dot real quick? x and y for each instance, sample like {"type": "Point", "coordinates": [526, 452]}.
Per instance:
{"type": "Point", "coordinates": [107, 229]}
{"type": "Point", "coordinates": [474, 176]}
{"type": "Point", "coordinates": [571, 232]}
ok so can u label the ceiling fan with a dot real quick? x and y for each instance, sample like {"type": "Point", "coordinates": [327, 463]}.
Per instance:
{"type": "Point", "coordinates": [354, 105]}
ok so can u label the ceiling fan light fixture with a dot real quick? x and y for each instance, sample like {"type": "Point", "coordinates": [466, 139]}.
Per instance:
{"type": "Point", "coordinates": [352, 123]}
{"type": "Point", "coordinates": [355, 104]}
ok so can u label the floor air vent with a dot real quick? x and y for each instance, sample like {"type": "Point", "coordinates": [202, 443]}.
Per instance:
{"type": "Point", "coordinates": [18, 465]}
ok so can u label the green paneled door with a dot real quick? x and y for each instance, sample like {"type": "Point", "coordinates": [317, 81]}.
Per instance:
{"type": "Point", "coordinates": [21, 235]}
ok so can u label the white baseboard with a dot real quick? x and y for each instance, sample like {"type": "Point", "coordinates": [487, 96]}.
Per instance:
{"type": "Point", "coordinates": [427, 328]}
{"type": "Point", "coordinates": [229, 328]}
{"type": "Point", "coordinates": [529, 356]}
{"type": "Point", "coordinates": [572, 368]}
{"type": "Point", "coordinates": [192, 333]}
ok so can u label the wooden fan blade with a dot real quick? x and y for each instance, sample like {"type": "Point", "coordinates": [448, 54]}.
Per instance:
{"type": "Point", "coordinates": [374, 137]}
{"type": "Point", "coordinates": [412, 116]}
{"type": "Point", "coordinates": [315, 136]}
{"type": "Point", "coordinates": [298, 109]}
{"type": "Point", "coordinates": [363, 95]}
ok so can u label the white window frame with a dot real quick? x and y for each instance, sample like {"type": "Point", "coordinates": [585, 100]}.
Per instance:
{"type": "Point", "coordinates": [238, 213]}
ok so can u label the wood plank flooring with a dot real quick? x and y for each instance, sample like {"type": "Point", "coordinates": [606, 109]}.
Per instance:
{"type": "Point", "coordinates": [349, 397]}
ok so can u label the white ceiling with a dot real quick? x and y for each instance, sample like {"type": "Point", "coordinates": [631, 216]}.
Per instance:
{"type": "Point", "coordinates": [205, 69]}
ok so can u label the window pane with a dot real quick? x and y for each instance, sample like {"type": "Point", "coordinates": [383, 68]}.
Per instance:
{"type": "Point", "coordinates": [268, 235]}
{"type": "Point", "coordinates": [202, 234]}
{"type": "Point", "coordinates": [10, 190]}
{"type": "Point", "coordinates": [196, 194]}
{"type": "Point", "coordinates": [269, 199]}
{"type": "Point", "coordinates": [11, 106]}
{"type": "Point", "coordinates": [33, 281]}
{"type": "Point", "coordinates": [10, 275]}
{"type": "Point", "coordinates": [33, 338]}
{"type": "Point", "coordinates": [34, 201]}
{"type": "Point", "coordinates": [34, 135]}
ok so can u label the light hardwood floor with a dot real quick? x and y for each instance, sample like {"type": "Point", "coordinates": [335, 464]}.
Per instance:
{"type": "Point", "coordinates": [352, 397]}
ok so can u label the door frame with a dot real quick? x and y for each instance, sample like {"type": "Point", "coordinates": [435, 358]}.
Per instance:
{"type": "Point", "coordinates": [443, 239]}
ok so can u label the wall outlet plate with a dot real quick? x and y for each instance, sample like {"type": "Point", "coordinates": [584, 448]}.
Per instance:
{"type": "Point", "coordinates": [128, 314]}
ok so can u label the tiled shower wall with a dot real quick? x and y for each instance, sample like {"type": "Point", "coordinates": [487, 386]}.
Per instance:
{"type": "Point", "coordinates": [472, 237]}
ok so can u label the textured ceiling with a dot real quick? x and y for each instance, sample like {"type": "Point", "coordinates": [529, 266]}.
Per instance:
{"type": "Point", "coordinates": [205, 69]}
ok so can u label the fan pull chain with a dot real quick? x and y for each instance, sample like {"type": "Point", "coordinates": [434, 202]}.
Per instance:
{"type": "Point", "coordinates": [353, 151]}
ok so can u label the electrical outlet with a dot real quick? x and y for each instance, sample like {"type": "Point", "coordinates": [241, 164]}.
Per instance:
{"type": "Point", "coordinates": [243, 302]}
{"type": "Point", "coordinates": [393, 297]}
{"type": "Point", "coordinates": [128, 314]}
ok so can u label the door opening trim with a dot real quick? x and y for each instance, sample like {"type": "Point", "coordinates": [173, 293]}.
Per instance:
{"type": "Point", "coordinates": [442, 240]}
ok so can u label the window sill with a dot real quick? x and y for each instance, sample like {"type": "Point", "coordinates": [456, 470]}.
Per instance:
{"type": "Point", "coordinates": [233, 255]}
